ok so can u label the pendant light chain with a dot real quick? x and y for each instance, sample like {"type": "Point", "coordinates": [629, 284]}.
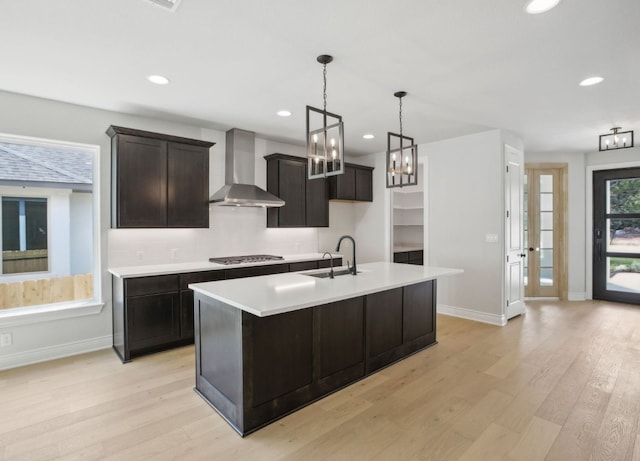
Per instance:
{"type": "Point", "coordinates": [324, 88]}
{"type": "Point", "coordinates": [400, 116]}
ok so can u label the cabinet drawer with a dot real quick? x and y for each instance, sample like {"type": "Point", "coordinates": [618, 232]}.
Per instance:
{"type": "Point", "coordinates": [256, 270]}
{"type": "Point", "coordinates": [150, 285]}
{"type": "Point", "coordinates": [324, 263]}
{"type": "Point", "coordinates": [413, 255]}
{"type": "Point", "coordinates": [303, 266]}
{"type": "Point", "coordinates": [197, 277]}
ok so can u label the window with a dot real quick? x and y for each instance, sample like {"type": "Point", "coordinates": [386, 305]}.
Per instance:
{"type": "Point", "coordinates": [24, 235]}
{"type": "Point", "coordinates": [49, 232]}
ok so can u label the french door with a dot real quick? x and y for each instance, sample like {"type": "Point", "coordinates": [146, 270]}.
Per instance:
{"type": "Point", "coordinates": [616, 235]}
{"type": "Point", "coordinates": [544, 231]}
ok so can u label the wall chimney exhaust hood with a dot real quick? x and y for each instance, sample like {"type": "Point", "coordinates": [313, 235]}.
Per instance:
{"type": "Point", "coordinates": [239, 188]}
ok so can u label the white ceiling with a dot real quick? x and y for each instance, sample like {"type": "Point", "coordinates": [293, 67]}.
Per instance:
{"type": "Point", "coordinates": [467, 65]}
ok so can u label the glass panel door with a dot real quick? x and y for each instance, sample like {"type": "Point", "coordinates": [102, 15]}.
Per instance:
{"type": "Point", "coordinates": [543, 236]}
{"type": "Point", "coordinates": [616, 235]}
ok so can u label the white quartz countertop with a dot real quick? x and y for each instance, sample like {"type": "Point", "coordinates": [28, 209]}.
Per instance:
{"type": "Point", "coordinates": [275, 294]}
{"type": "Point", "coordinates": [179, 268]}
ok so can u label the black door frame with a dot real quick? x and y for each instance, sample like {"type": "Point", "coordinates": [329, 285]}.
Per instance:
{"type": "Point", "coordinates": [600, 254]}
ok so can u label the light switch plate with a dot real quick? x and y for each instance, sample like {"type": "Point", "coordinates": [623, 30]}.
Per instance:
{"type": "Point", "coordinates": [491, 238]}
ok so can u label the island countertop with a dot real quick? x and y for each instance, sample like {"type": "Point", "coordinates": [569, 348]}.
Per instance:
{"type": "Point", "coordinates": [279, 293]}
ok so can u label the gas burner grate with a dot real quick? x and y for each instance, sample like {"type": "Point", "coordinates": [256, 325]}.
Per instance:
{"type": "Point", "coordinates": [245, 259]}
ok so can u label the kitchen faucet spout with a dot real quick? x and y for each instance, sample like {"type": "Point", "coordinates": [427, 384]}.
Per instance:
{"type": "Point", "coordinates": [331, 262]}
{"type": "Point", "coordinates": [353, 269]}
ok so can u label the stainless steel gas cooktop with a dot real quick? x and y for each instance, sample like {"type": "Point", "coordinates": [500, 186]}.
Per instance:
{"type": "Point", "coordinates": [245, 259]}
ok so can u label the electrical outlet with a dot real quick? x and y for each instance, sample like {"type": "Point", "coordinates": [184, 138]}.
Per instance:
{"type": "Point", "coordinates": [174, 253]}
{"type": "Point", "coordinates": [5, 339]}
{"type": "Point", "coordinates": [140, 255]}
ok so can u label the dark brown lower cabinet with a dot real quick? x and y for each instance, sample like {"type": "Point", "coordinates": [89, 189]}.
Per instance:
{"type": "Point", "coordinates": [409, 257]}
{"type": "Point", "coordinates": [254, 370]}
{"type": "Point", "coordinates": [146, 315]}
{"type": "Point", "coordinates": [152, 314]}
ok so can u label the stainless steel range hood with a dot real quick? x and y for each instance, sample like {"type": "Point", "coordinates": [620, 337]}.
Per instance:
{"type": "Point", "coordinates": [240, 189]}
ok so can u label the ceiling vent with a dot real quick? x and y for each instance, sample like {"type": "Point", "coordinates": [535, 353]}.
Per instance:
{"type": "Point", "coordinates": [170, 5]}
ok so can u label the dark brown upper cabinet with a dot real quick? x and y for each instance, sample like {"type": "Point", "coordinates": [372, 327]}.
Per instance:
{"type": "Point", "coordinates": [355, 184]}
{"type": "Point", "coordinates": [306, 200]}
{"type": "Point", "coordinates": [158, 180]}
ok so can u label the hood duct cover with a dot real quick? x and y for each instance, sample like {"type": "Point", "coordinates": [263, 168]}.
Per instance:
{"type": "Point", "coordinates": [239, 188]}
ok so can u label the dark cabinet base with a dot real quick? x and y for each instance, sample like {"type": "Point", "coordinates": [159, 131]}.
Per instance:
{"type": "Point", "coordinates": [152, 314]}
{"type": "Point", "coordinates": [254, 370]}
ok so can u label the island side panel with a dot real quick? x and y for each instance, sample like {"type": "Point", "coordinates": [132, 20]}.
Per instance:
{"type": "Point", "coordinates": [218, 341]}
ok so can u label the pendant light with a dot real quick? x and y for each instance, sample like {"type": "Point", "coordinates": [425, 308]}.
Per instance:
{"type": "Point", "coordinates": [616, 140]}
{"type": "Point", "coordinates": [325, 135]}
{"type": "Point", "coordinates": [402, 155]}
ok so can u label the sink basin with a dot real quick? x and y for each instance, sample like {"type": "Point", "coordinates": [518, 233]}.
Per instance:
{"type": "Point", "coordinates": [325, 273]}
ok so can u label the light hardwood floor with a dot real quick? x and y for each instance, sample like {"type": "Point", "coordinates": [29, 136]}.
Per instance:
{"type": "Point", "coordinates": [560, 383]}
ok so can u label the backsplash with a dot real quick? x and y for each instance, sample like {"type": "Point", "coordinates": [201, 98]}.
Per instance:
{"type": "Point", "coordinates": [233, 231]}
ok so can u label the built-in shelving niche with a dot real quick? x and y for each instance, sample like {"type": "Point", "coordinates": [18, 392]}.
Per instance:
{"type": "Point", "coordinates": [408, 216]}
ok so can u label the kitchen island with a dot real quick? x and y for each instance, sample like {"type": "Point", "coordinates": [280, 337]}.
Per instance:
{"type": "Point", "coordinates": [268, 345]}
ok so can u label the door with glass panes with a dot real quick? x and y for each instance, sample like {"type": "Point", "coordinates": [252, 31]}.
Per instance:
{"type": "Point", "coordinates": [616, 235]}
{"type": "Point", "coordinates": [545, 202]}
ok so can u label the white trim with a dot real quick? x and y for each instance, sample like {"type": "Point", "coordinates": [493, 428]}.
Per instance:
{"type": "Point", "coordinates": [48, 312]}
{"type": "Point", "coordinates": [589, 218]}
{"type": "Point", "coordinates": [578, 296]}
{"type": "Point", "coordinates": [492, 319]}
{"type": "Point", "coordinates": [55, 352]}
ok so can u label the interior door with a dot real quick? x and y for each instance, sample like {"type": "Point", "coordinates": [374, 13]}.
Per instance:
{"type": "Point", "coordinates": [616, 235]}
{"type": "Point", "coordinates": [514, 232]}
{"type": "Point", "coordinates": [544, 231]}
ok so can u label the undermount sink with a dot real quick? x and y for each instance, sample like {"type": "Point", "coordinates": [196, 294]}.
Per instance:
{"type": "Point", "coordinates": [327, 273]}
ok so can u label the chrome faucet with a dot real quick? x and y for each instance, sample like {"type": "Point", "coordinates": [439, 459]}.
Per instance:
{"type": "Point", "coordinates": [330, 256]}
{"type": "Point", "coordinates": [353, 268]}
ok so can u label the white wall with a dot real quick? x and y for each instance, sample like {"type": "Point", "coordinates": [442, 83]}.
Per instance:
{"type": "Point", "coordinates": [80, 233]}
{"type": "Point", "coordinates": [465, 203]}
{"type": "Point", "coordinates": [242, 231]}
{"type": "Point", "coordinates": [576, 219]}
{"type": "Point", "coordinates": [373, 220]}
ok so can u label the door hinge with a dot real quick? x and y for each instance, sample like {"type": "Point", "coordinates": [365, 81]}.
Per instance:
{"type": "Point", "coordinates": [507, 258]}
{"type": "Point", "coordinates": [507, 168]}
{"type": "Point", "coordinates": [507, 213]}
{"type": "Point", "coordinates": [507, 303]}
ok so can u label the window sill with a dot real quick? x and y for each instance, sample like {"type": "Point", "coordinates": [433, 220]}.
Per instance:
{"type": "Point", "coordinates": [48, 312]}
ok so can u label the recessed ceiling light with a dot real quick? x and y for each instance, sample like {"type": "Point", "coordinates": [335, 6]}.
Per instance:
{"type": "Point", "coordinates": [284, 113]}
{"type": "Point", "coordinates": [158, 79]}
{"type": "Point", "coordinates": [540, 6]}
{"type": "Point", "coordinates": [368, 136]}
{"type": "Point", "coordinates": [591, 81]}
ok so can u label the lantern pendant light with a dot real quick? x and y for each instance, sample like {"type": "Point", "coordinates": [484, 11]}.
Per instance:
{"type": "Point", "coordinates": [325, 135]}
{"type": "Point", "coordinates": [402, 155]}
{"type": "Point", "coordinates": [616, 140]}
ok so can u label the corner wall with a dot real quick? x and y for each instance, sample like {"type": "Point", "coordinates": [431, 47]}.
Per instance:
{"type": "Point", "coordinates": [465, 203]}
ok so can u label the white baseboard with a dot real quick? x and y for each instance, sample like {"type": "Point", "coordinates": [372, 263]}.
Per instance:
{"type": "Point", "coordinates": [58, 351]}
{"type": "Point", "coordinates": [493, 319]}
{"type": "Point", "coordinates": [577, 296]}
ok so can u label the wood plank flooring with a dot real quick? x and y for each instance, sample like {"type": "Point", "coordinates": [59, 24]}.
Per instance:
{"type": "Point", "coordinates": [560, 383]}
